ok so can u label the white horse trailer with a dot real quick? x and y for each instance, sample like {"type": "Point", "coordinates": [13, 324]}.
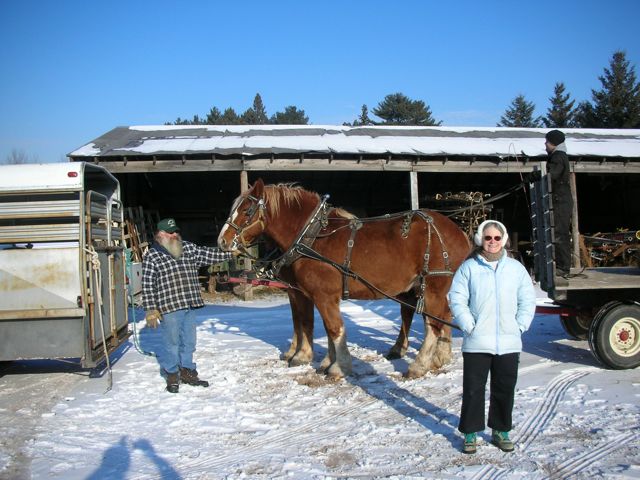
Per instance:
{"type": "Point", "coordinates": [62, 263]}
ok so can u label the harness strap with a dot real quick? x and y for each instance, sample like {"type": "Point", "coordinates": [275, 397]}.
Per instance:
{"type": "Point", "coordinates": [306, 237]}
{"type": "Point", "coordinates": [309, 252]}
{"type": "Point", "coordinates": [355, 225]}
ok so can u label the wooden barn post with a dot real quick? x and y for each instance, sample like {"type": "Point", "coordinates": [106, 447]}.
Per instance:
{"type": "Point", "coordinates": [244, 186]}
{"type": "Point", "coordinates": [575, 233]}
{"type": "Point", "coordinates": [413, 181]}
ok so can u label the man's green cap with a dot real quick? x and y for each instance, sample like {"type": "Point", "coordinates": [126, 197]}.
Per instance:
{"type": "Point", "coordinates": [168, 225]}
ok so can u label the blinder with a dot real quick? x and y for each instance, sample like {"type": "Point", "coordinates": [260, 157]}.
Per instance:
{"type": "Point", "coordinates": [257, 206]}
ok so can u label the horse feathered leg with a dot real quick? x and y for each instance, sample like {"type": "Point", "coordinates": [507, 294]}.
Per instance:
{"type": "Point", "coordinates": [329, 358]}
{"type": "Point", "coordinates": [436, 347]}
{"type": "Point", "coordinates": [399, 349]}
{"type": "Point", "coordinates": [442, 354]}
{"type": "Point", "coordinates": [422, 364]}
{"type": "Point", "coordinates": [301, 350]}
{"type": "Point", "coordinates": [339, 356]}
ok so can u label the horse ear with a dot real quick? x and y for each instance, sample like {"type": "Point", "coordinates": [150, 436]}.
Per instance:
{"type": "Point", "coordinates": [258, 188]}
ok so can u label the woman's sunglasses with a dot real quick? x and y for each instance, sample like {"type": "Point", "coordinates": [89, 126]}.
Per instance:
{"type": "Point", "coordinates": [497, 238]}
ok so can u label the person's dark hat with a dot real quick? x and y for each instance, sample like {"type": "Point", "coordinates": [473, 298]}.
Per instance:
{"type": "Point", "coordinates": [168, 225]}
{"type": "Point", "coordinates": [555, 137]}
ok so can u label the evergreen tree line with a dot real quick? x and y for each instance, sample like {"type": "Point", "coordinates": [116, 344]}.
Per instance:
{"type": "Point", "coordinates": [255, 115]}
{"type": "Point", "coordinates": [615, 105]}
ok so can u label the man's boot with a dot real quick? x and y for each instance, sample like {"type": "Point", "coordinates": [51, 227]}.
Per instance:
{"type": "Point", "coordinates": [173, 382]}
{"type": "Point", "coordinates": [190, 377]}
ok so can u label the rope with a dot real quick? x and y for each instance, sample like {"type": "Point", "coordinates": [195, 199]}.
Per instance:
{"type": "Point", "coordinates": [136, 336]}
{"type": "Point", "coordinates": [95, 263]}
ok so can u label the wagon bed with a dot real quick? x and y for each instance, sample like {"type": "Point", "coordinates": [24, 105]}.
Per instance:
{"type": "Point", "coordinates": [602, 277]}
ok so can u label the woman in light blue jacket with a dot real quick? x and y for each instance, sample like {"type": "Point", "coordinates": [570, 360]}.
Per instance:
{"type": "Point", "coordinates": [493, 302]}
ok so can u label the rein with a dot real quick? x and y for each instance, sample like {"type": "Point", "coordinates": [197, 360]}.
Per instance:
{"type": "Point", "coordinates": [308, 252]}
{"type": "Point", "coordinates": [301, 247]}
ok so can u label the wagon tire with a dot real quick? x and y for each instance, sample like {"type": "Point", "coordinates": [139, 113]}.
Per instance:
{"type": "Point", "coordinates": [576, 326]}
{"type": "Point", "coordinates": [614, 336]}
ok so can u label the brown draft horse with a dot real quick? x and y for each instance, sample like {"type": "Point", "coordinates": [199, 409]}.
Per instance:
{"type": "Point", "coordinates": [387, 253]}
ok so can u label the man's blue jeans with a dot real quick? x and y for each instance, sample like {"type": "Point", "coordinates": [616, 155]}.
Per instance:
{"type": "Point", "coordinates": [179, 340]}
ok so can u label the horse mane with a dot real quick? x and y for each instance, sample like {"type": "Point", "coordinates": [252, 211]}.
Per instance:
{"type": "Point", "coordinates": [341, 212]}
{"type": "Point", "coordinates": [287, 193]}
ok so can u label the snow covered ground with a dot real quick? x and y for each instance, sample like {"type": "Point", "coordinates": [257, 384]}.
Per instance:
{"type": "Point", "coordinates": [260, 419]}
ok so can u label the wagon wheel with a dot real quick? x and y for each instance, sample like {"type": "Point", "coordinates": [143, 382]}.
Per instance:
{"type": "Point", "coordinates": [577, 326]}
{"type": "Point", "coordinates": [614, 336]}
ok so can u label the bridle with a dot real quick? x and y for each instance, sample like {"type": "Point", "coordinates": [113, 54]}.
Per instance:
{"type": "Point", "coordinates": [257, 207]}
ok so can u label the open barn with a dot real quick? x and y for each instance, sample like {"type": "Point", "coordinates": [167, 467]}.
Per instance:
{"type": "Point", "coordinates": [193, 173]}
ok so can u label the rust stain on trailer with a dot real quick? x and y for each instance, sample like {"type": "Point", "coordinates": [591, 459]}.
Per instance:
{"type": "Point", "coordinates": [47, 275]}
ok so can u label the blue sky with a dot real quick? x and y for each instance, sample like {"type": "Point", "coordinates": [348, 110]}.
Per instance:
{"type": "Point", "coordinates": [73, 70]}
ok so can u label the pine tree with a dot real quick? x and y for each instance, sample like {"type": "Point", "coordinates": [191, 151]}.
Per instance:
{"type": "Point", "coordinates": [520, 114]}
{"type": "Point", "coordinates": [214, 117]}
{"type": "Point", "coordinates": [256, 115]}
{"type": "Point", "coordinates": [229, 117]}
{"type": "Point", "coordinates": [363, 119]}
{"type": "Point", "coordinates": [617, 104]}
{"type": "Point", "coordinates": [290, 116]}
{"type": "Point", "coordinates": [398, 109]}
{"type": "Point", "coordinates": [584, 116]}
{"type": "Point", "coordinates": [561, 113]}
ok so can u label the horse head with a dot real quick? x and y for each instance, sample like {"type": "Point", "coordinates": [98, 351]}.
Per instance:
{"type": "Point", "coordinates": [246, 220]}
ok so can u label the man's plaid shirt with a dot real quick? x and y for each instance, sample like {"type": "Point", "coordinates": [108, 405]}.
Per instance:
{"type": "Point", "coordinates": [169, 284]}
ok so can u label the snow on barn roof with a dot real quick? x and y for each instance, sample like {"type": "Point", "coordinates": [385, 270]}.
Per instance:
{"type": "Point", "coordinates": [256, 140]}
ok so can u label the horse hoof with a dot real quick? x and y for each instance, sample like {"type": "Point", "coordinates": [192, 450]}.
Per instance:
{"type": "Point", "coordinates": [393, 355]}
{"type": "Point", "coordinates": [334, 372]}
{"type": "Point", "coordinates": [414, 373]}
{"type": "Point", "coordinates": [296, 362]}
{"type": "Point", "coordinates": [286, 357]}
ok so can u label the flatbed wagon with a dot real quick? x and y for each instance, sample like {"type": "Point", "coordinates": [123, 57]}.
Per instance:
{"type": "Point", "coordinates": [601, 304]}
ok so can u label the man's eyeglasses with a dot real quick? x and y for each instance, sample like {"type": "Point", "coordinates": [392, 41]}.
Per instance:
{"type": "Point", "coordinates": [497, 238]}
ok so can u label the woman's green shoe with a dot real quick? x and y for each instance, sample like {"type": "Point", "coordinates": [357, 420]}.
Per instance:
{"type": "Point", "coordinates": [502, 441]}
{"type": "Point", "coordinates": [469, 443]}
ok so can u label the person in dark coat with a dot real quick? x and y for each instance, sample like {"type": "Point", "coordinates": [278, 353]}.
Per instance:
{"type": "Point", "coordinates": [558, 171]}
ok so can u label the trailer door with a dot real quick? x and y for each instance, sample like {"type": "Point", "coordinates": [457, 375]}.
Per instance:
{"type": "Point", "coordinates": [107, 300]}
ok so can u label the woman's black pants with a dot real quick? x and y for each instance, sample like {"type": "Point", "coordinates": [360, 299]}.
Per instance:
{"type": "Point", "coordinates": [504, 375]}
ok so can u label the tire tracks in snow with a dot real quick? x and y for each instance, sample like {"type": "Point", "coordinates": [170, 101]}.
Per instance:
{"type": "Point", "coordinates": [570, 467]}
{"type": "Point", "coordinates": [538, 420]}
{"type": "Point", "coordinates": [275, 443]}
{"type": "Point", "coordinates": [546, 409]}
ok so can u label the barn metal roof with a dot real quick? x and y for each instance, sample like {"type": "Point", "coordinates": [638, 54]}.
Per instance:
{"type": "Point", "coordinates": [420, 145]}
{"type": "Point", "coordinates": [260, 139]}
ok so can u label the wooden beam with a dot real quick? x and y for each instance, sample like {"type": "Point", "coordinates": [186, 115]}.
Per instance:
{"type": "Point", "coordinates": [383, 163]}
{"type": "Point", "coordinates": [413, 182]}
{"type": "Point", "coordinates": [575, 233]}
{"type": "Point", "coordinates": [247, 292]}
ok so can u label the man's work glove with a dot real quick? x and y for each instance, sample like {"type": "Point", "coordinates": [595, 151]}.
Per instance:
{"type": "Point", "coordinates": [153, 318]}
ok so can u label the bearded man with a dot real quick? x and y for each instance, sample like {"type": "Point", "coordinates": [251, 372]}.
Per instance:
{"type": "Point", "coordinates": [171, 297]}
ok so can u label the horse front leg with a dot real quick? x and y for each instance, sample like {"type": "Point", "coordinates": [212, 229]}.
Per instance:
{"type": "Point", "coordinates": [399, 349]}
{"type": "Point", "coordinates": [339, 359]}
{"type": "Point", "coordinates": [301, 350]}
